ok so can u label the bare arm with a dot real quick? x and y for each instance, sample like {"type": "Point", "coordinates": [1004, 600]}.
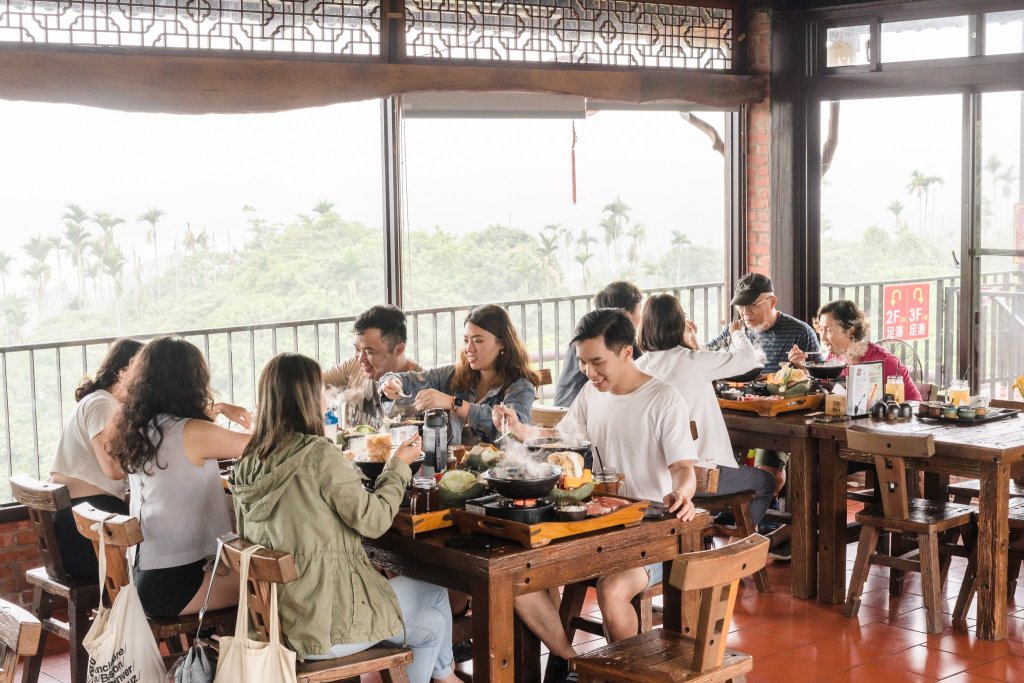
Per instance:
{"type": "Point", "coordinates": [207, 441]}
{"type": "Point", "coordinates": [107, 463]}
{"type": "Point", "coordinates": [684, 484]}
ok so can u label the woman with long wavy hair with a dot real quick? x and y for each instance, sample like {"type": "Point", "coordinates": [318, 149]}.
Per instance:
{"type": "Point", "coordinates": [82, 463]}
{"type": "Point", "coordinates": [493, 369]}
{"type": "Point", "coordinates": [165, 438]}
{"type": "Point", "coordinates": [295, 492]}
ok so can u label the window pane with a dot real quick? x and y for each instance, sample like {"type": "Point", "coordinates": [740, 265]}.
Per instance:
{"type": "Point", "coordinates": [906, 41]}
{"type": "Point", "coordinates": [848, 45]}
{"type": "Point", "coordinates": [1004, 32]}
{"type": "Point", "coordinates": [1002, 227]}
{"type": "Point", "coordinates": [890, 222]}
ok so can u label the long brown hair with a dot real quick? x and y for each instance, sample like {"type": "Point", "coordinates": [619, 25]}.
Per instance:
{"type": "Point", "coordinates": [288, 403]}
{"type": "Point", "coordinates": [662, 324]}
{"type": "Point", "coordinates": [512, 363]}
{"type": "Point", "coordinates": [118, 356]}
{"type": "Point", "coordinates": [169, 376]}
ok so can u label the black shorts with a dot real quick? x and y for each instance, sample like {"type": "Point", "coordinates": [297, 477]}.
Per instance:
{"type": "Point", "coordinates": [76, 551]}
{"type": "Point", "coordinates": [165, 592]}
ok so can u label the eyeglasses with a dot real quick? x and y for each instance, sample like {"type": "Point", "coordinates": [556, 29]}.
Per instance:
{"type": "Point", "coordinates": [750, 307]}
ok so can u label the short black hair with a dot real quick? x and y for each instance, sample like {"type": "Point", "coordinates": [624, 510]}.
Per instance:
{"type": "Point", "coordinates": [621, 294]}
{"type": "Point", "coordinates": [390, 320]}
{"type": "Point", "coordinates": [611, 324]}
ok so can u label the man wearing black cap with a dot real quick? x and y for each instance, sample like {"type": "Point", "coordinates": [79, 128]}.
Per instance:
{"type": "Point", "coordinates": [775, 333]}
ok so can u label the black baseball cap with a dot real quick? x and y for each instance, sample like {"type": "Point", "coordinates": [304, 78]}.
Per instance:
{"type": "Point", "coordinates": [750, 287]}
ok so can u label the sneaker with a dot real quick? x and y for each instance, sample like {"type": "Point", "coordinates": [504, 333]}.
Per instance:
{"type": "Point", "coordinates": [462, 651]}
{"type": "Point", "coordinates": [557, 671]}
{"type": "Point", "coordinates": [782, 552]}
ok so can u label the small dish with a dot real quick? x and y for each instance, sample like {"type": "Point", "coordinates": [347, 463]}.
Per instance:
{"type": "Point", "coordinates": [949, 412]}
{"type": "Point", "coordinates": [571, 513]}
{"type": "Point", "coordinates": [967, 413]}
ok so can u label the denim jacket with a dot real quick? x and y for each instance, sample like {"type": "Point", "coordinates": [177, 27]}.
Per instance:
{"type": "Point", "coordinates": [518, 395]}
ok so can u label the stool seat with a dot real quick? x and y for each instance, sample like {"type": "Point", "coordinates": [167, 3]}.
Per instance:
{"type": "Point", "coordinates": [656, 657]}
{"type": "Point", "coordinates": [972, 487]}
{"type": "Point", "coordinates": [365, 662]}
{"type": "Point", "coordinates": [925, 515]}
{"type": "Point", "coordinates": [61, 587]}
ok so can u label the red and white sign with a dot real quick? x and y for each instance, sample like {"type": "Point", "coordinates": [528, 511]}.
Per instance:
{"type": "Point", "coordinates": [905, 311]}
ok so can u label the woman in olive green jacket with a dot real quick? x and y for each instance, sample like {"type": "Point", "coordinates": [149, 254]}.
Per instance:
{"type": "Point", "coordinates": [294, 491]}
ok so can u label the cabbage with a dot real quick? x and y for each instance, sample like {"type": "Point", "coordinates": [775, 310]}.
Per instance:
{"type": "Point", "coordinates": [457, 481]}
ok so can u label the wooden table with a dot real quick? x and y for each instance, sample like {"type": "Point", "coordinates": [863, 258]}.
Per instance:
{"type": "Point", "coordinates": [494, 577]}
{"type": "Point", "coordinates": [790, 433]}
{"type": "Point", "coordinates": [986, 451]}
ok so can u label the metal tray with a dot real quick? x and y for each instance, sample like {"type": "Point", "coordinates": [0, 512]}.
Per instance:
{"type": "Point", "coordinates": [992, 415]}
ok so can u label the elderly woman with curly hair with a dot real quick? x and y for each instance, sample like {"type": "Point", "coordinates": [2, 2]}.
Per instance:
{"type": "Point", "coordinates": [164, 437]}
{"type": "Point", "coordinates": [844, 329]}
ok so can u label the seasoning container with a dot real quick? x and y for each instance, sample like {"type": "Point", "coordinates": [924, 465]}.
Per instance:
{"type": "Point", "coordinates": [967, 413]}
{"type": "Point", "coordinates": [878, 411]}
{"type": "Point", "coordinates": [892, 411]}
{"type": "Point", "coordinates": [922, 409]}
{"type": "Point", "coordinates": [934, 409]}
{"type": "Point", "coordinates": [424, 496]}
{"type": "Point", "coordinates": [906, 411]}
{"type": "Point", "coordinates": [949, 411]}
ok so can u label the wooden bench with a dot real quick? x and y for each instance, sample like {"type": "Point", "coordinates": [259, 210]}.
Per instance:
{"type": "Point", "coordinates": [20, 637]}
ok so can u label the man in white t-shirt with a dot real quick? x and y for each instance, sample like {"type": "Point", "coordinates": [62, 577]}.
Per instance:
{"type": "Point", "coordinates": [640, 426]}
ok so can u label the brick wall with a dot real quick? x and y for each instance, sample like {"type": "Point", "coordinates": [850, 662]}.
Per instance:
{"type": "Point", "coordinates": [759, 148]}
{"type": "Point", "coordinates": [18, 554]}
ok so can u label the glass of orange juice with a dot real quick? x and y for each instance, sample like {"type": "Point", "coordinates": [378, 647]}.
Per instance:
{"type": "Point", "coordinates": [958, 392]}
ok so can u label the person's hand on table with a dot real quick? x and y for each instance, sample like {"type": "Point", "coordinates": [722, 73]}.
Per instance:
{"type": "Point", "coordinates": [797, 356]}
{"type": "Point", "coordinates": [409, 450]}
{"type": "Point", "coordinates": [680, 506]}
{"type": "Point", "coordinates": [432, 399]}
{"type": "Point", "coordinates": [236, 414]}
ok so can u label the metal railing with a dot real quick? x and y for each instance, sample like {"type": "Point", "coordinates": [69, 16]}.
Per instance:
{"type": "Point", "coordinates": [37, 380]}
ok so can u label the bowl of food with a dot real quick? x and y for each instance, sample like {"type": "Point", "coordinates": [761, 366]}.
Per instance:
{"type": "Point", "coordinates": [373, 468]}
{"type": "Point", "coordinates": [748, 376]}
{"type": "Point", "coordinates": [825, 369]}
{"type": "Point", "coordinates": [519, 482]}
{"type": "Point", "coordinates": [544, 446]}
{"type": "Point", "coordinates": [458, 486]}
{"type": "Point", "coordinates": [576, 483]}
{"type": "Point", "coordinates": [570, 513]}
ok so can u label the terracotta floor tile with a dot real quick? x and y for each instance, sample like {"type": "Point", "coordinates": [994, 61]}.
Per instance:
{"type": "Point", "coordinates": [917, 620]}
{"type": "Point", "coordinates": [1009, 668]}
{"type": "Point", "coordinates": [967, 645]}
{"type": "Point", "coordinates": [783, 669]}
{"type": "Point", "coordinates": [759, 644]}
{"type": "Point", "coordinates": [967, 677]}
{"type": "Point", "coordinates": [927, 662]}
{"type": "Point", "coordinates": [876, 673]}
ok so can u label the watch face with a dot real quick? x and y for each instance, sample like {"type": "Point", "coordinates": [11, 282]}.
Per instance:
{"type": "Point", "coordinates": [457, 403]}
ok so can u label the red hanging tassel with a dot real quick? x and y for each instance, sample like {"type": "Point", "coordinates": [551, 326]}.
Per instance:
{"type": "Point", "coordinates": [574, 163]}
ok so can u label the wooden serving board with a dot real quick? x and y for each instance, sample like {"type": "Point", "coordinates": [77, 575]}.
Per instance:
{"type": "Point", "coordinates": [409, 524]}
{"type": "Point", "coordinates": [537, 535]}
{"type": "Point", "coordinates": [769, 408]}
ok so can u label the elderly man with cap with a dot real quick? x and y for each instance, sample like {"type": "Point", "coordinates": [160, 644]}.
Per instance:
{"type": "Point", "coordinates": [775, 333]}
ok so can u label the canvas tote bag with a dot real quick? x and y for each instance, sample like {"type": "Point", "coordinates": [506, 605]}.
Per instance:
{"type": "Point", "coordinates": [120, 643]}
{"type": "Point", "coordinates": [243, 660]}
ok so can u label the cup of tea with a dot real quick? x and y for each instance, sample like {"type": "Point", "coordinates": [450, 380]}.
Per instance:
{"type": "Point", "coordinates": [607, 480]}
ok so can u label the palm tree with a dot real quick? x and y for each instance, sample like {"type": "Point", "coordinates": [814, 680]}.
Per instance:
{"type": "Point", "coordinates": [323, 207]}
{"type": "Point", "coordinates": [637, 236]}
{"type": "Point", "coordinates": [896, 208]}
{"type": "Point", "coordinates": [918, 186]}
{"type": "Point", "coordinates": [57, 244]}
{"type": "Point", "coordinates": [679, 242]}
{"type": "Point", "coordinates": [38, 249]}
{"type": "Point", "coordinates": [618, 212]}
{"type": "Point", "coordinates": [152, 216]}
{"type": "Point", "coordinates": [582, 258]}
{"type": "Point", "coordinates": [15, 316]}
{"type": "Point", "coordinates": [112, 263]}
{"type": "Point", "coordinates": [190, 239]}
{"type": "Point", "coordinates": [5, 268]}
{"type": "Point", "coordinates": [107, 222]}
{"type": "Point", "coordinates": [548, 254]}
{"type": "Point", "coordinates": [76, 239]}
{"type": "Point", "coordinates": [583, 254]}
{"type": "Point", "coordinates": [928, 182]}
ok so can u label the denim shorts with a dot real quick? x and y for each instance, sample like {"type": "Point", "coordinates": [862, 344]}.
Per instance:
{"type": "Point", "coordinates": [655, 573]}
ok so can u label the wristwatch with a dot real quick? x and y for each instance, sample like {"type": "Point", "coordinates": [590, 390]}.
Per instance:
{"type": "Point", "coordinates": [457, 403]}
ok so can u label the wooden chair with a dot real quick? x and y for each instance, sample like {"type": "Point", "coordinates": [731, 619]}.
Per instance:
{"type": "Point", "coordinates": [902, 514]}
{"type": "Point", "coordinates": [678, 652]}
{"type": "Point", "coordinates": [271, 566]}
{"type": "Point", "coordinates": [20, 636]}
{"type": "Point", "coordinates": [120, 532]}
{"type": "Point", "coordinates": [50, 583]}
{"type": "Point", "coordinates": [1015, 555]}
{"type": "Point", "coordinates": [965, 491]}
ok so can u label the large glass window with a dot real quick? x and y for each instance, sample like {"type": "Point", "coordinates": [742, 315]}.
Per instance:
{"type": "Point", "coordinates": [938, 38]}
{"type": "Point", "coordinates": [890, 220]}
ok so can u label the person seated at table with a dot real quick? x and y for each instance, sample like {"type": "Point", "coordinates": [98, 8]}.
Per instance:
{"type": "Point", "coordinates": [844, 330]}
{"type": "Point", "coordinates": [379, 348]}
{"type": "Point", "coordinates": [294, 492]}
{"type": "Point", "coordinates": [622, 295]}
{"type": "Point", "coordinates": [493, 369]}
{"type": "Point", "coordinates": [671, 353]}
{"type": "Point", "coordinates": [164, 437]}
{"type": "Point", "coordinates": [640, 426]}
{"type": "Point", "coordinates": [82, 463]}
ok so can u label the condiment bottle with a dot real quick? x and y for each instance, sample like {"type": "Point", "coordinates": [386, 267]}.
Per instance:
{"type": "Point", "coordinates": [424, 496]}
{"type": "Point", "coordinates": [894, 385]}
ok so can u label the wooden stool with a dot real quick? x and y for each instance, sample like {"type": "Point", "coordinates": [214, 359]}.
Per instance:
{"type": "Point", "coordinates": [678, 653]}
{"type": "Point", "coordinates": [50, 582]}
{"type": "Point", "coordinates": [120, 532]}
{"type": "Point", "coordinates": [902, 514]}
{"type": "Point", "coordinates": [20, 636]}
{"type": "Point", "coordinates": [270, 566]}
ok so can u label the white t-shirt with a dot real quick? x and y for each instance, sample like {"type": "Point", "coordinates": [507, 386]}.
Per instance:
{"type": "Point", "coordinates": [75, 456]}
{"type": "Point", "coordinates": [640, 434]}
{"type": "Point", "coordinates": [691, 373]}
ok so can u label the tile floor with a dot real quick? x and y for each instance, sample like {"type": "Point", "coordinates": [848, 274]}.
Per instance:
{"type": "Point", "coordinates": [796, 640]}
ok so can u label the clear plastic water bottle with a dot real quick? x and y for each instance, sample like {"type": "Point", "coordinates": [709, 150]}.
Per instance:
{"type": "Point", "coordinates": [331, 425]}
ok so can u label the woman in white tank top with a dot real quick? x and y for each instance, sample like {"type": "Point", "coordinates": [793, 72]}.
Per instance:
{"type": "Point", "coordinates": [164, 437]}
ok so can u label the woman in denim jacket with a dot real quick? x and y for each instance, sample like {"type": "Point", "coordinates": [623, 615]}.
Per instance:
{"type": "Point", "coordinates": [493, 369]}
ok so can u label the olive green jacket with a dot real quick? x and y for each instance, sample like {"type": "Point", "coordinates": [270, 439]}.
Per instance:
{"type": "Point", "coordinates": [307, 499]}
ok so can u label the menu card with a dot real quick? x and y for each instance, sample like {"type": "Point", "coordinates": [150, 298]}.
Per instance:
{"type": "Point", "coordinates": [863, 388]}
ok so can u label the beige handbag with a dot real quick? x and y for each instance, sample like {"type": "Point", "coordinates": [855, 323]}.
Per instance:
{"type": "Point", "coordinates": [243, 660]}
{"type": "Point", "coordinates": [120, 643]}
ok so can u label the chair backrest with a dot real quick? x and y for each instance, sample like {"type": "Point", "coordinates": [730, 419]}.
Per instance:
{"type": "Point", "coordinates": [544, 375]}
{"type": "Point", "coordinates": [707, 480]}
{"type": "Point", "coordinates": [266, 567]}
{"type": "Point", "coordinates": [1000, 403]}
{"type": "Point", "coordinates": [716, 574]}
{"type": "Point", "coordinates": [907, 355]}
{"type": "Point", "coordinates": [119, 533]}
{"type": "Point", "coordinates": [891, 452]}
{"type": "Point", "coordinates": [929, 391]}
{"type": "Point", "coordinates": [42, 499]}
{"type": "Point", "coordinates": [19, 637]}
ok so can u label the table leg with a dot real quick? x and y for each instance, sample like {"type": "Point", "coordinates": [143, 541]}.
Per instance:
{"type": "Point", "coordinates": [831, 523]}
{"type": "Point", "coordinates": [493, 637]}
{"type": "Point", "coordinates": [993, 539]}
{"type": "Point", "coordinates": [803, 504]}
{"type": "Point", "coordinates": [686, 618]}
{"type": "Point", "coordinates": [527, 654]}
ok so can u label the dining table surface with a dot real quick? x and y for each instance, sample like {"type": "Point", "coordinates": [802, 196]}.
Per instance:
{"type": "Point", "coordinates": [494, 576]}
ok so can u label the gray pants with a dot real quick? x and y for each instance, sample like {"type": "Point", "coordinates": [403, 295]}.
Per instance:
{"type": "Point", "coordinates": [428, 630]}
{"type": "Point", "coordinates": [743, 478]}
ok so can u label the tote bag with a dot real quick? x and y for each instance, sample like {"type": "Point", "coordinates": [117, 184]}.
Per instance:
{"type": "Point", "coordinates": [243, 660]}
{"type": "Point", "coordinates": [120, 643]}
